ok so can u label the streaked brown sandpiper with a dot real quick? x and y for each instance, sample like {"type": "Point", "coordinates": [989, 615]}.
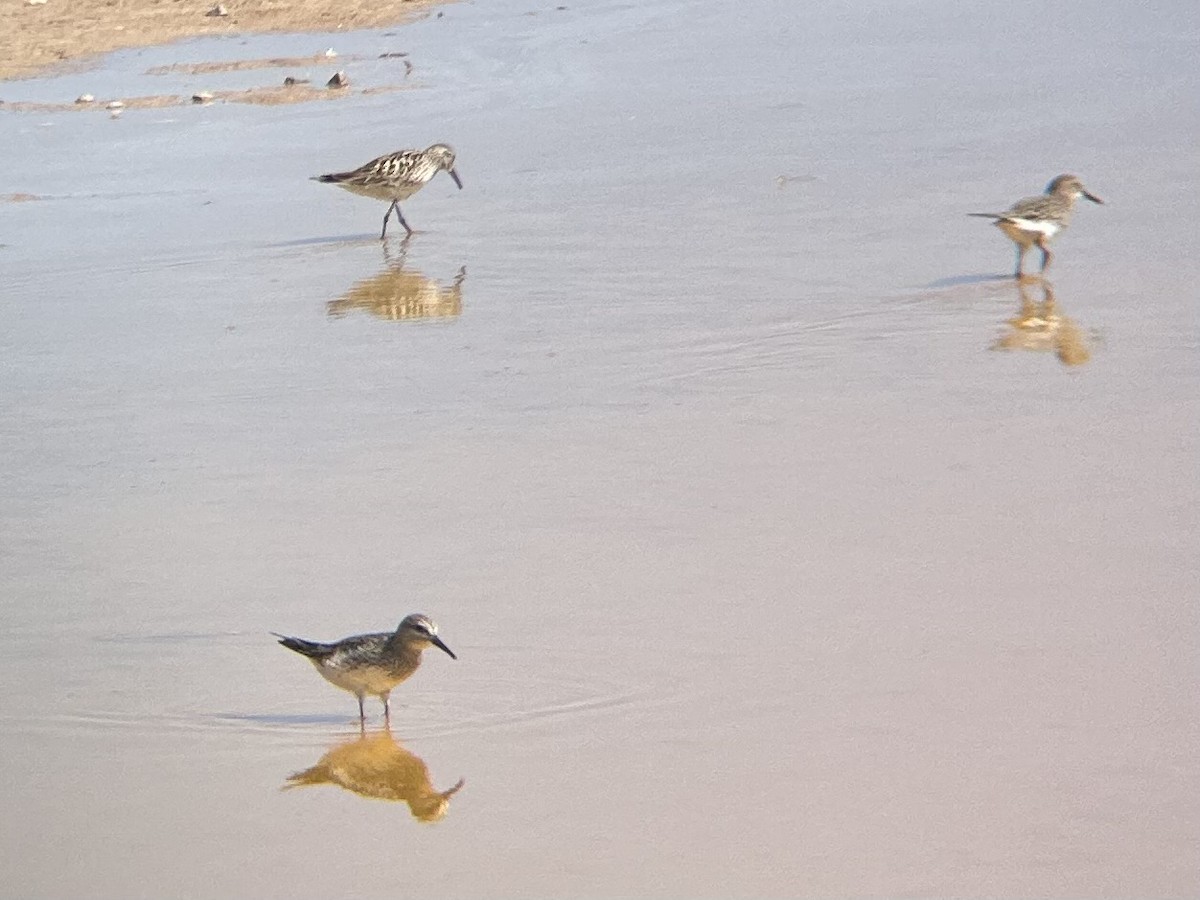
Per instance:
{"type": "Point", "coordinates": [395, 177]}
{"type": "Point", "coordinates": [372, 663]}
{"type": "Point", "coordinates": [1036, 220]}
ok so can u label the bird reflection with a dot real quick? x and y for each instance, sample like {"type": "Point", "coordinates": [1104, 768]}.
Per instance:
{"type": "Point", "coordinates": [376, 766]}
{"type": "Point", "coordinates": [1040, 326]}
{"type": "Point", "coordinates": [401, 293]}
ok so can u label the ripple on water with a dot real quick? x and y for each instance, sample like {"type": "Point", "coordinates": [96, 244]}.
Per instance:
{"type": "Point", "coordinates": [517, 689]}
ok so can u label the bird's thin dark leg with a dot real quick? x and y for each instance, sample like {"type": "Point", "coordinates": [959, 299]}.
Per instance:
{"type": "Point", "coordinates": [401, 218]}
{"type": "Point", "coordinates": [387, 710]}
{"type": "Point", "coordinates": [1046, 254]}
{"type": "Point", "coordinates": [362, 714]}
{"type": "Point", "coordinates": [383, 233]}
{"type": "Point", "coordinates": [1021, 248]}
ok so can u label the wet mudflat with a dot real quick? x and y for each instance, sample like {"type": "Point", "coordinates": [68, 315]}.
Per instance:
{"type": "Point", "coordinates": [787, 548]}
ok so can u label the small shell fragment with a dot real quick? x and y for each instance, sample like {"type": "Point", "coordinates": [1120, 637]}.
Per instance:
{"type": "Point", "coordinates": [330, 53]}
{"type": "Point", "coordinates": [289, 81]}
{"type": "Point", "coordinates": [114, 104]}
{"type": "Point", "coordinates": [85, 98]}
{"type": "Point", "coordinates": [218, 10]}
{"type": "Point", "coordinates": [339, 80]}
{"type": "Point", "coordinates": [202, 97]}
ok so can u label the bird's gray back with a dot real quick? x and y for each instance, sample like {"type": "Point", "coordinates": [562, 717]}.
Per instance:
{"type": "Point", "coordinates": [360, 650]}
{"type": "Point", "coordinates": [1040, 207]}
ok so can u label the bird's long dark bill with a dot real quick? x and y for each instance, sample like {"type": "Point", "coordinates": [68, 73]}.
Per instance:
{"type": "Point", "coordinates": [437, 642]}
{"type": "Point", "coordinates": [1093, 198]}
{"type": "Point", "coordinates": [457, 181]}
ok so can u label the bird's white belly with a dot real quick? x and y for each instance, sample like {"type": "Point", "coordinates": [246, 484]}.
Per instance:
{"type": "Point", "coordinates": [1036, 226]}
{"type": "Point", "coordinates": [358, 681]}
{"type": "Point", "coordinates": [381, 191]}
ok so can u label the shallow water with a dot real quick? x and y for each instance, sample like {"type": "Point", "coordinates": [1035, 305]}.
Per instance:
{"type": "Point", "coordinates": [787, 548]}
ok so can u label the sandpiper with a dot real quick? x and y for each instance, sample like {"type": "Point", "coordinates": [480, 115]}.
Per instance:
{"type": "Point", "coordinates": [395, 177]}
{"type": "Point", "coordinates": [371, 663]}
{"type": "Point", "coordinates": [1035, 220]}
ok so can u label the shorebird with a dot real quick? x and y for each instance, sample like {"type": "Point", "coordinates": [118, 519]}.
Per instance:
{"type": "Point", "coordinates": [395, 177]}
{"type": "Point", "coordinates": [1035, 220]}
{"type": "Point", "coordinates": [371, 663]}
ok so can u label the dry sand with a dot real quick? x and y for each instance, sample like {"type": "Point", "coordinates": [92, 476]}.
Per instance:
{"type": "Point", "coordinates": [35, 37]}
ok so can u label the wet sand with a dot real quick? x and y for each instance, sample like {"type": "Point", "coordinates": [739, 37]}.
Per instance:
{"type": "Point", "coordinates": [49, 34]}
{"type": "Point", "coordinates": [788, 549]}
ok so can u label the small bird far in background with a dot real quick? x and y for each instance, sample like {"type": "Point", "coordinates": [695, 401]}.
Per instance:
{"type": "Point", "coordinates": [395, 177]}
{"type": "Point", "coordinates": [1036, 220]}
{"type": "Point", "coordinates": [372, 663]}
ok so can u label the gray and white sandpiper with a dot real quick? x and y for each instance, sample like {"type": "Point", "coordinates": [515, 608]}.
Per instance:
{"type": "Point", "coordinates": [395, 177]}
{"type": "Point", "coordinates": [372, 663]}
{"type": "Point", "coordinates": [1035, 220]}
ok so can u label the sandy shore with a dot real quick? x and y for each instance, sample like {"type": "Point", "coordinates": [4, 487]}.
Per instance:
{"type": "Point", "coordinates": [40, 35]}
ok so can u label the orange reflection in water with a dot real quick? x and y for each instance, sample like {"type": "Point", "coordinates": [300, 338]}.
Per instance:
{"type": "Point", "coordinates": [402, 293]}
{"type": "Point", "coordinates": [379, 767]}
{"type": "Point", "coordinates": [1039, 325]}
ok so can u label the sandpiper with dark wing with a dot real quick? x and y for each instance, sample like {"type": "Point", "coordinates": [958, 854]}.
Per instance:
{"type": "Point", "coordinates": [1035, 220]}
{"type": "Point", "coordinates": [372, 663]}
{"type": "Point", "coordinates": [395, 177]}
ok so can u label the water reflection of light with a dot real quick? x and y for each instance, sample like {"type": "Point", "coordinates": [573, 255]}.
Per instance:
{"type": "Point", "coordinates": [1040, 326]}
{"type": "Point", "coordinates": [402, 293]}
{"type": "Point", "coordinates": [377, 766]}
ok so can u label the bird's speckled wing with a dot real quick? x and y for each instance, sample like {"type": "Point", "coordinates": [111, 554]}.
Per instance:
{"type": "Point", "coordinates": [359, 650]}
{"type": "Point", "coordinates": [384, 170]}
{"type": "Point", "coordinates": [1034, 208]}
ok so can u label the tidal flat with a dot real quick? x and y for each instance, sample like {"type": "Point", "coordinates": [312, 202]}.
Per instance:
{"type": "Point", "coordinates": [788, 547]}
